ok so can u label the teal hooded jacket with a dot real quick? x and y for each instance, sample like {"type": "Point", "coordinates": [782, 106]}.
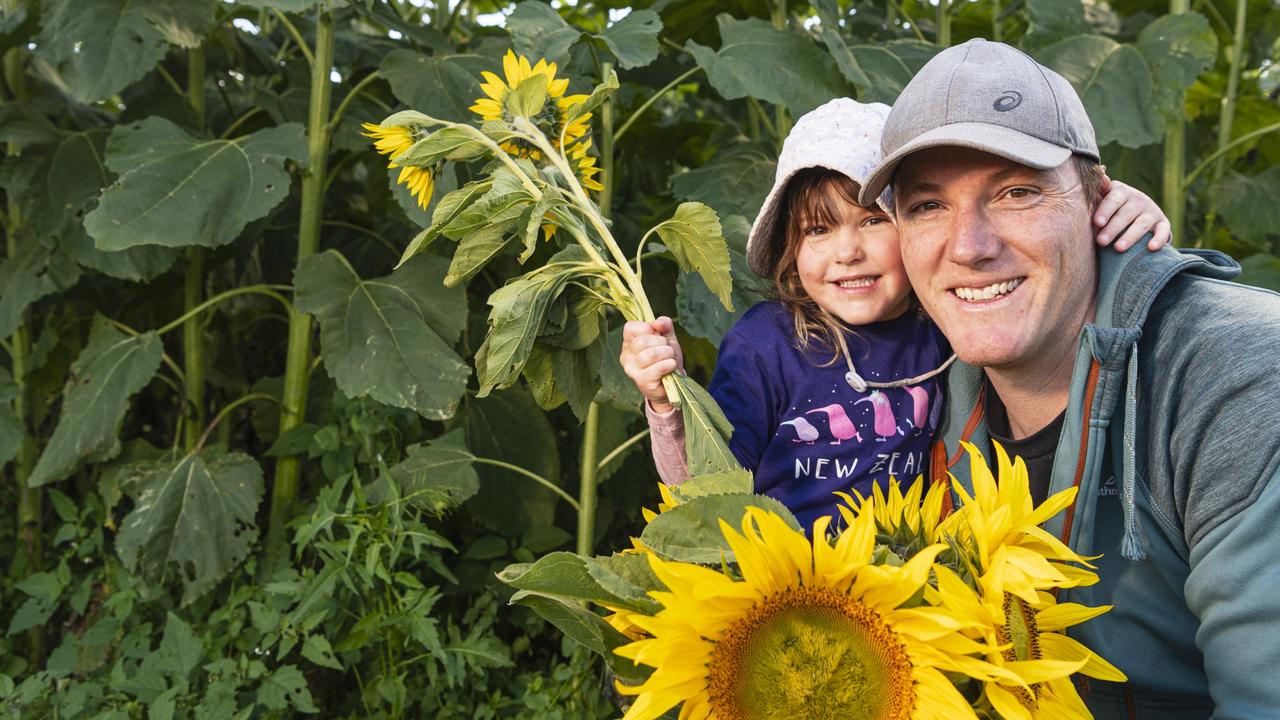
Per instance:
{"type": "Point", "coordinates": [1172, 436]}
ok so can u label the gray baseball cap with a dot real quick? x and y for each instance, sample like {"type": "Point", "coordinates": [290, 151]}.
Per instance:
{"type": "Point", "coordinates": [989, 97]}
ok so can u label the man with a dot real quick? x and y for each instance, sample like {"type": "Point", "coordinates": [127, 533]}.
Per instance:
{"type": "Point", "coordinates": [1144, 379]}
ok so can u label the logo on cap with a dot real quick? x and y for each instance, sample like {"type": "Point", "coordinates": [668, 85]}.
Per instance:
{"type": "Point", "coordinates": [1008, 101]}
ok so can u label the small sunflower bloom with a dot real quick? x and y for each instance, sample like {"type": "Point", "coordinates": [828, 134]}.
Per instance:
{"type": "Point", "coordinates": [394, 141]}
{"type": "Point", "coordinates": [553, 119]}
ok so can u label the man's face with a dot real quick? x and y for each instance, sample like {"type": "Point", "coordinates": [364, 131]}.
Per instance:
{"type": "Point", "coordinates": [1000, 254]}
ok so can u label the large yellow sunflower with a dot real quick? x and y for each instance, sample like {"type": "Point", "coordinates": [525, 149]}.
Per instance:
{"type": "Point", "coordinates": [394, 140]}
{"type": "Point", "coordinates": [552, 120]}
{"type": "Point", "coordinates": [811, 630]}
{"type": "Point", "coordinates": [1015, 564]}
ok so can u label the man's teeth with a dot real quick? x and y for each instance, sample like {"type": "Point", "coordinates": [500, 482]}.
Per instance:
{"type": "Point", "coordinates": [857, 283]}
{"type": "Point", "coordinates": [989, 292]}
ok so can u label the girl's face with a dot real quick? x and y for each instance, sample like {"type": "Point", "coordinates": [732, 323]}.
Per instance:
{"type": "Point", "coordinates": [849, 262]}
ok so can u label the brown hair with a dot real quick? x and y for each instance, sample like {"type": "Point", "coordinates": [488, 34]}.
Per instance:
{"type": "Point", "coordinates": [1091, 174]}
{"type": "Point", "coordinates": [813, 195]}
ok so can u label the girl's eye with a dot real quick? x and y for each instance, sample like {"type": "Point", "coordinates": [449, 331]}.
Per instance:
{"type": "Point", "coordinates": [875, 220]}
{"type": "Point", "coordinates": [815, 230]}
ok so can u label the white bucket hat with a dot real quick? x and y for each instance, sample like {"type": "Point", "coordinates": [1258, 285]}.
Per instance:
{"type": "Point", "coordinates": [843, 135]}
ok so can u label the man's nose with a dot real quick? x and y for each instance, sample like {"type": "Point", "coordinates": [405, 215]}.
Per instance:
{"type": "Point", "coordinates": [973, 239]}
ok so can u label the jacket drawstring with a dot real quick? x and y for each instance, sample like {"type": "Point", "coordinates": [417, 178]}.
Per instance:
{"type": "Point", "coordinates": [1131, 547]}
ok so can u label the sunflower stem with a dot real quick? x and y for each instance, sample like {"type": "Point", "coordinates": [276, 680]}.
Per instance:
{"type": "Point", "coordinates": [29, 538]}
{"type": "Point", "coordinates": [622, 265]}
{"type": "Point", "coordinates": [298, 360]}
{"type": "Point", "coordinates": [1226, 119]}
{"type": "Point", "coordinates": [193, 355]}
{"type": "Point", "coordinates": [1175, 155]}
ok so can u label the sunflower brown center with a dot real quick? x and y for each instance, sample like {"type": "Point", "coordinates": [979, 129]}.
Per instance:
{"type": "Point", "coordinates": [1021, 633]}
{"type": "Point", "coordinates": [807, 653]}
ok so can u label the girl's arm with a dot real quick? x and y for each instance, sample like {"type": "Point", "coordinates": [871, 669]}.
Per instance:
{"type": "Point", "coordinates": [1125, 214]}
{"type": "Point", "coordinates": [650, 351]}
{"type": "Point", "coordinates": [666, 438]}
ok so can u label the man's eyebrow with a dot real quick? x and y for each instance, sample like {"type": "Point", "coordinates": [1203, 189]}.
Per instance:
{"type": "Point", "coordinates": [918, 187]}
{"type": "Point", "coordinates": [1017, 171]}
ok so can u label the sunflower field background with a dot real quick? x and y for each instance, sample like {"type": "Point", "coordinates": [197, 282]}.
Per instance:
{"type": "Point", "coordinates": [248, 466]}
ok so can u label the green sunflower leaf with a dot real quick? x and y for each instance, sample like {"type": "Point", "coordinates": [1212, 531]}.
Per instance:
{"type": "Point", "coordinates": [519, 312]}
{"type": "Point", "coordinates": [448, 143]}
{"type": "Point", "coordinates": [706, 430]}
{"type": "Point", "coordinates": [538, 31]}
{"type": "Point", "coordinates": [483, 228]}
{"type": "Point", "coordinates": [1114, 81]}
{"type": "Point", "coordinates": [758, 60]}
{"type": "Point", "coordinates": [33, 273]}
{"type": "Point", "coordinates": [435, 477]}
{"type": "Point", "coordinates": [110, 369]}
{"type": "Point", "coordinates": [178, 190]}
{"type": "Point", "coordinates": [447, 209]}
{"type": "Point", "coordinates": [633, 40]}
{"type": "Point", "coordinates": [529, 97]}
{"type": "Point", "coordinates": [598, 96]}
{"type": "Point", "coordinates": [694, 236]}
{"type": "Point", "coordinates": [99, 47]}
{"type": "Point", "coordinates": [442, 86]}
{"type": "Point", "coordinates": [587, 629]}
{"type": "Point", "coordinates": [193, 520]}
{"type": "Point", "coordinates": [391, 338]}
{"type": "Point", "coordinates": [1178, 48]}
{"type": "Point", "coordinates": [690, 531]}
{"type": "Point", "coordinates": [699, 310]}
{"type": "Point", "coordinates": [571, 576]}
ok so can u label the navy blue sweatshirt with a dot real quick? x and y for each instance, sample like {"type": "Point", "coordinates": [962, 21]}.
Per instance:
{"type": "Point", "coordinates": [800, 426]}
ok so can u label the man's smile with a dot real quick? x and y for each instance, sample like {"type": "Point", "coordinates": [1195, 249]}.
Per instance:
{"type": "Point", "coordinates": [987, 292]}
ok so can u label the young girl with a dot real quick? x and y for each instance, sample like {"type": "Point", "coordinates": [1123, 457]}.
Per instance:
{"type": "Point", "coordinates": [835, 383]}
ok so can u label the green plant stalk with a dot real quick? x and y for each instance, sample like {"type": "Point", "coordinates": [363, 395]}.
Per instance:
{"type": "Point", "coordinates": [1226, 118]}
{"type": "Point", "coordinates": [622, 129]}
{"type": "Point", "coordinates": [193, 285]}
{"type": "Point", "coordinates": [997, 32]}
{"type": "Point", "coordinates": [30, 533]}
{"type": "Point", "coordinates": [782, 121]}
{"type": "Point", "coordinates": [284, 489]}
{"type": "Point", "coordinates": [1216, 154]}
{"type": "Point", "coordinates": [944, 23]}
{"type": "Point", "coordinates": [587, 477]}
{"type": "Point", "coordinates": [1174, 201]}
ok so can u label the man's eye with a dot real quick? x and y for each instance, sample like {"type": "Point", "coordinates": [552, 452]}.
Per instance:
{"type": "Point", "coordinates": [1020, 192]}
{"type": "Point", "coordinates": [925, 206]}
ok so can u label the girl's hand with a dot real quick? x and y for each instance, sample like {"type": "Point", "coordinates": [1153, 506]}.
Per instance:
{"type": "Point", "coordinates": [1125, 214]}
{"type": "Point", "coordinates": [650, 352]}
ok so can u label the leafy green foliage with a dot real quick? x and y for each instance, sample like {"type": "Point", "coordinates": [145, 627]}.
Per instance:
{"type": "Point", "coordinates": [758, 60]}
{"type": "Point", "coordinates": [193, 519]}
{"type": "Point", "coordinates": [178, 190]}
{"type": "Point", "coordinates": [406, 322]}
{"type": "Point", "coordinates": [1114, 82]}
{"type": "Point", "coordinates": [693, 235]}
{"type": "Point", "coordinates": [112, 367]}
{"type": "Point", "coordinates": [690, 531]}
{"type": "Point", "coordinates": [98, 47]}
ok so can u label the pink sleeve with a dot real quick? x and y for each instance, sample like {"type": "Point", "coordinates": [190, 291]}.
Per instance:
{"type": "Point", "coordinates": [666, 436]}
